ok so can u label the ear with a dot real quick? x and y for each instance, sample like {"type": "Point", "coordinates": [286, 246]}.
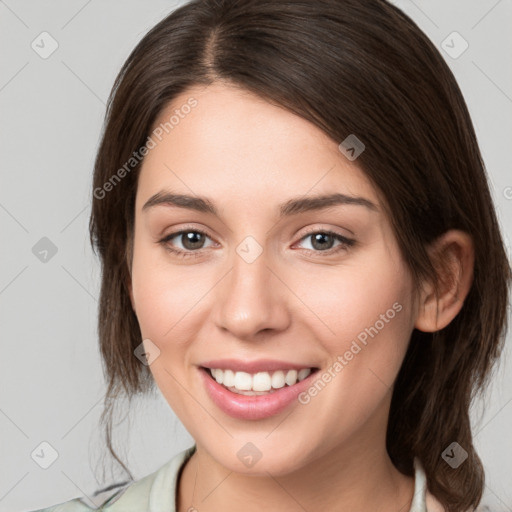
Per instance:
{"type": "Point", "coordinates": [453, 257]}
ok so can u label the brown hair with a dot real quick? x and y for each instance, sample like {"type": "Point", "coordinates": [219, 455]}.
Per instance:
{"type": "Point", "coordinates": [349, 67]}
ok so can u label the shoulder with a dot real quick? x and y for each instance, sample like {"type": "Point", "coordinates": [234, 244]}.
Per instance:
{"type": "Point", "coordinates": [432, 503]}
{"type": "Point", "coordinates": [74, 505]}
{"type": "Point", "coordinates": [158, 490]}
{"type": "Point", "coordinates": [423, 500]}
{"type": "Point", "coordinates": [99, 499]}
{"type": "Point", "coordinates": [134, 496]}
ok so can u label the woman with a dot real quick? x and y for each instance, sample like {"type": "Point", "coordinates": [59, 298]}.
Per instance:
{"type": "Point", "coordinates": [300, 249]}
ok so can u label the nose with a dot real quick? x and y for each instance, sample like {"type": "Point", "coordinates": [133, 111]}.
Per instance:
{"type": "Point", "coordinates": [252, 299]}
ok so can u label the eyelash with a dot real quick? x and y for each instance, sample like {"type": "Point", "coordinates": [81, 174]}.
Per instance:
{"type": "Point", "coordinates": [345, 244]}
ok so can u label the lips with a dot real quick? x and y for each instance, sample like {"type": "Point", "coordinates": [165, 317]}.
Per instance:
{"type": "Point", "coordinates": [255, 405]}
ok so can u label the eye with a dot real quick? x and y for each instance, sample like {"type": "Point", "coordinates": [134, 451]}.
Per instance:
{"type": "Point", "coordinates": [192, 241]}
{"type": "Point", "coordinates": [323, 241]}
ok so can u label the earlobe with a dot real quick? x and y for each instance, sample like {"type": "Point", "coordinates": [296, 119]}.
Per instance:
{"type": "Point", "coordinates": [453, 256]}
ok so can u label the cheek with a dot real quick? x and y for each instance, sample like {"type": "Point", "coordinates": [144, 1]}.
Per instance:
{"type": "Point", "coordinates": [347, 301]}
{"type": "Point", "coordinates": [166, 296]}
{"type": "Point", "coordinates": [364, 327]}
{"type": "Point", "coordinates": [154, 293]}
{"type": "Point", "coordinates": [363, 319]}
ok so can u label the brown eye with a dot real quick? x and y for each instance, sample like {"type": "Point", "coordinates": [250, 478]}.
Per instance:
{"type": "Point", "coordinates": [323, 241]}
{"type": "Point", "coordinates": [192, 241]}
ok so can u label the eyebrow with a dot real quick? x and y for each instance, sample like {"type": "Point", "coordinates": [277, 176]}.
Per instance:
{"type": "Point", "coordinates": [291, 207]}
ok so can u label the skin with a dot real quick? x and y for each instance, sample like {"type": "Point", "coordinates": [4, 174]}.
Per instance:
{"type": "Point", "coordinates": [295, 302]}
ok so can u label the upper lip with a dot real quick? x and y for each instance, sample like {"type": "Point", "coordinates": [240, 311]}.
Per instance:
{"type": "Point", "coordinates": [259, 365]}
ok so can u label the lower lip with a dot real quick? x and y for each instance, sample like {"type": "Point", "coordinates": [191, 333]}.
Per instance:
{"type": "Point", "coordinates": [253, 407]}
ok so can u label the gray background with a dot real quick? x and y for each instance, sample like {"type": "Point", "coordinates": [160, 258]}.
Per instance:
{"type": "Point", "coordinates": [51, 116]}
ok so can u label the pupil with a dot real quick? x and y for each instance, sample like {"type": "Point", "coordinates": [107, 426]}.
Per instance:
{"type": "Point", "coordinates": [319, 237]}
{"type": "Point", "coordinates": [193, 240]}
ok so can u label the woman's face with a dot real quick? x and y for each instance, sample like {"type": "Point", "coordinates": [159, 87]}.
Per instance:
{"type": "Point", "coordinates": [266, 290]}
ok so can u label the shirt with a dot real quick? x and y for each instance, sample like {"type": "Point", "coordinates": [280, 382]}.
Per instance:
{"type": "Point", "coordinates": [157, 492]}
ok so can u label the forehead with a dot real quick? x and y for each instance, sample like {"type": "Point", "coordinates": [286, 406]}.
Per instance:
{"type": "Point", "coordinates": [234, 144]}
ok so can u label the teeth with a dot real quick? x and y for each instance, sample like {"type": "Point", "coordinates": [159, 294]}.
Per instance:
{"type": "Point", "coordinates": [303, 373]}
{"type": "Point", "coordinates": [229, 378]}
{"type": "Point", "coordinates": [243, 381]}
{"type": "Point", "coordinates": [278, 379]}
{"type": "Point", "coordinates": [291, 377]}
{"type": "Point", "coordinates": [259, 382]}
{"type": "Point", "coordinates": [219, 376]}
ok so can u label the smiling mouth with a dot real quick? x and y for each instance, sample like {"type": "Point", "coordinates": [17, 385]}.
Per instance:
{"type": "Point", "coordinates": [260, 383]}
